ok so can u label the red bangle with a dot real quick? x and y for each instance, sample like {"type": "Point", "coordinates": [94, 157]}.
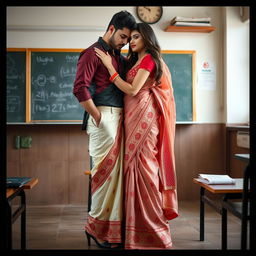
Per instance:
{"type": "Point", "coordinates": [112, 78]}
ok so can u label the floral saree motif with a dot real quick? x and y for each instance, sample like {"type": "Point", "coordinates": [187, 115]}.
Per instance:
{"type": "Point", "coordinates": [149, 168]}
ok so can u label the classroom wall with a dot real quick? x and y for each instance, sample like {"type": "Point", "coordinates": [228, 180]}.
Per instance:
{"type": "Point", "coordinates": [79, 27]}
{"type": "Point", "coordinates": [208, 46]}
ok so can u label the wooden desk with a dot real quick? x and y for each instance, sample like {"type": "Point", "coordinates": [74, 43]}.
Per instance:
{"type": "Point", "coordinates": [234, 191]}
{"type": "Point", "coordinates": [11, 193]}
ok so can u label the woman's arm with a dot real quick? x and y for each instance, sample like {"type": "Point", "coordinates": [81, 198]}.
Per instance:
{"type": "Point", "coordinates": [130, 89]}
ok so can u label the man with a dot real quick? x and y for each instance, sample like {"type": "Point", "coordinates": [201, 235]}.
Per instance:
{"type": "Point", "coordinates": [103, 104]}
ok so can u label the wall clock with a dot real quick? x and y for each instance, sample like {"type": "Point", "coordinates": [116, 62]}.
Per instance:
{"type": "Point", "coordinates": [149, 14]}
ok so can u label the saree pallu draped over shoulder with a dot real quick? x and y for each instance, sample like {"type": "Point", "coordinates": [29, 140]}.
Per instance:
{"type": "Point", "coordinates": [149, 167]}
{"type": "Point", "coordinates": [166, 103]}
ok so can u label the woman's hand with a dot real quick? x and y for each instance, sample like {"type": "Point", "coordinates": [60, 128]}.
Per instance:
{"type": "Point", "coordinates": [105, 58]}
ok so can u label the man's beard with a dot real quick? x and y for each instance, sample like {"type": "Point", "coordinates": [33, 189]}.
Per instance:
{"type": "Point", "coordinates": [113, 45]}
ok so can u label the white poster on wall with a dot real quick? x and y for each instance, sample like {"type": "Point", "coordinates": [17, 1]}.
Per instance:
{"type": "Point", "coordinates": [207, 76]}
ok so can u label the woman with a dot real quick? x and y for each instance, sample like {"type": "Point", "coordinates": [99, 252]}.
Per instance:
{"type": "Point", "coordinates": [149, 122]}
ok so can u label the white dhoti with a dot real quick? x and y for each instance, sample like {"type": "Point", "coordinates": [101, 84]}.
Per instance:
{"type": "Point", "coordinates": [106, 146]}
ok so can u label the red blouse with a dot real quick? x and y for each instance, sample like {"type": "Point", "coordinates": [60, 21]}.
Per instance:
{"type": "Point", "coordinates": [149, 64]}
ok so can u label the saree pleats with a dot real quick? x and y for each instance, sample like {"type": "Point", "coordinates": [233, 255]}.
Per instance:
{"type": "Point", "coordinates": [146, 226]}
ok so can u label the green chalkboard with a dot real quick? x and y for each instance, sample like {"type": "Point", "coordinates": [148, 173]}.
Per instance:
{"type": "Point", "coordinates": [52, 80]}
{"type": "Point", "coordinates": [181, 67]}
{"type": "Point", "coordinates": [15, 86]}
{"type": "Point", "coordinates": [180, 64]}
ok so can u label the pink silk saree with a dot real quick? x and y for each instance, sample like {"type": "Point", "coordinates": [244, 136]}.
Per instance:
{"type": "Point", "coordinates": [149, 168]}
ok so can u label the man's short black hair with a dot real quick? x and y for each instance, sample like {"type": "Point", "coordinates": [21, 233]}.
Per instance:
{"type": "Point", "coordinates": [122, 20]}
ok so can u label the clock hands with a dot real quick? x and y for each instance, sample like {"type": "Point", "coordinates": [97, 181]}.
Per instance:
{"type": "Point", "coordinates": [147, 8]}
{"type": "Point", "coordinates": [149, 14]}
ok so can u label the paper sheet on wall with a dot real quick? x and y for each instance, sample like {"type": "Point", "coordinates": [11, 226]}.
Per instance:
{"type": "Point", "coordinates": [207, 76]}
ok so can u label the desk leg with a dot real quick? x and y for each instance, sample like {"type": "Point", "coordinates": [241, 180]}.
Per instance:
{"type": "Point", "coordinates": [224, 227]}
{"type": "Point", "coordinates": [89, 193]}
{"type": "Point", "coordinates": [90, 187]}
{"type": "Point", "coordinates": [23, 220]}
{"type": "Point", "coordinates": [202, 214]}
{"type": "Point", "coordinates": [9, 225]}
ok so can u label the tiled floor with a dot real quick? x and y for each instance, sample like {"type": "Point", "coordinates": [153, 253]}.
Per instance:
{"type": "Point", "coordinates": [62, 227]}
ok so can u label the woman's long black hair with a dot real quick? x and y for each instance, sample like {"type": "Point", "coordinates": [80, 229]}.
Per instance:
{"type": "Point", "coordinates": [152, 47]}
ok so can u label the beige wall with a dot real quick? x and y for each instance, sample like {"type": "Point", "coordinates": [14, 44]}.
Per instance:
{"type": "Point", "coordinates": [237, 56]}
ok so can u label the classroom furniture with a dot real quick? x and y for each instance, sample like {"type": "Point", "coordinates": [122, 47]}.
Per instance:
{"type": "Point", "coordinates": [234, 166]}
{"type": "Point", "coordinates": [197, 29]}
{"type": "Point", "coordinates": [234, 190]}
{"type": "Point", "coordinates": [89, 190]}
{"type": "Point", "coordinates": [243, 157]}
{"type": "Point", "coordinates": [46, 83]}
{"type": "Point", "coordinates": [89, 200]}
{"type": "Point", "coordinates": [88, 172]}
{"type": "Point", "coordinates": [239, 209]}
{"type": "Point", "coordinates": [12, 193]}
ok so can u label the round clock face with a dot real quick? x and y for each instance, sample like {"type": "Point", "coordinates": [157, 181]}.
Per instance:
{"type": "Point", "coordinates": [149, 14]}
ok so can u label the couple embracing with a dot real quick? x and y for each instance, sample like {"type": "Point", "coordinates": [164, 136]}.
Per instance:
{"type": "Point", "coordinates": [130, 120]}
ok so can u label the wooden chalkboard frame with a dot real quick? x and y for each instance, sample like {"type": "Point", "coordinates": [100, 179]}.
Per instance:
{"type": "Point", "coordinates": [28, 79]}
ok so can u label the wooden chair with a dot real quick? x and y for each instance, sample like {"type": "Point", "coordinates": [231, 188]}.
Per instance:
{"type": "Point", "coordinates": [239, 209]}
{"type": "Point", "coordinates": [88, 172]}
{"type": "Point", "coordinates": [89, 189]}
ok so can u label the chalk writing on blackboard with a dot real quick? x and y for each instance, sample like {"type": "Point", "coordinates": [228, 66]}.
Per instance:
{"type": "Point", "coordinates": [52, 78]}
{"type": "Point", "coordinates": [52, 74]}
{"type": "Point", "coordinates": [15, 86]}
